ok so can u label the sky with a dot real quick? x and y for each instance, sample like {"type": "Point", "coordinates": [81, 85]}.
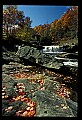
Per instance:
{"type": "Point", "coordinates": [42, 14]}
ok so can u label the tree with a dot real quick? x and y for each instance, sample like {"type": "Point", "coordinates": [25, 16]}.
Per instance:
{"type": "Point", "coordinates": [11, 17]}
{"type": "Point", "coordinates": [15, 23]}
{"type": "Point", "coordinates": [16, 27]}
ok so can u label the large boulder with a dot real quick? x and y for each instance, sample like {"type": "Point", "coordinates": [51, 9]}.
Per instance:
{"type": "Point", "coordinates": [35, 56]}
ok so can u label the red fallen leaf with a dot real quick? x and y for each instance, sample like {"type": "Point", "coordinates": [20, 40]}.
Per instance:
{"type": "Point", "coordinates": [19, 112]}
{"type": "Point", "coordinates": [28, 114]}
{"type": "Point", "coordinates": [22, 93]}
{"type": "Point", "coordinates": [6, 96]}
{"type": "Point", "coordinates": [57, 93]}
{"type": "Point", "coordinates": [31, 103]}
{"type": "Point", "coordinates": [11, 100]}
{"type": "Point", "coordinates": [28, 108]}
{"type": "Point", "coordinates": [34, 103]}
{"type": "Point", "coordinates": [24, 114]}
{"type": "Point", "coordinates": [41, 82]}
{"type": "Point", "coordinates": [18, 98]}
{"type": "Point", "coordinates": [25, 99]}
{"type": "Point", "coordinates": [20, 90]}
{"type": "Point", "coordinates": [28, 103]}
{"type": "Point", "coordinates": [16, 76]}
{"type": "Point", "coordinates": [31, 113]}
{"type": "Point", "coordinates": [20, 84]}
{"type": "Point", "coordinates": [60, 94]}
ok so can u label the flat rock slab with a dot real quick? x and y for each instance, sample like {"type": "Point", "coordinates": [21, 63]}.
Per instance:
{"type": "Point", "coordinates": [49, 104]}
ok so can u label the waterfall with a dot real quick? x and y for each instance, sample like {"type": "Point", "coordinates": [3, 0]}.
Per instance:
{"type": "Point", "coordinates": [52, 49]}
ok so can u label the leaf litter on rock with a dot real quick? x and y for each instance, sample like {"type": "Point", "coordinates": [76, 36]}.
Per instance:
{"type": "Point", "coordinates": [28, 101]}
{"type": "Point", "coordinates": [39, 87]}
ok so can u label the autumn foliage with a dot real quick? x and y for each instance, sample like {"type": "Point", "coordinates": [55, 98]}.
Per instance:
{"type": "Point", "coordinates": [66, 26]}
{"type": "Point", "coordinates": [60, 29]}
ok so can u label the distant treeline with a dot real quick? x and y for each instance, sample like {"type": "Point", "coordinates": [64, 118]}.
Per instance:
{"type": "Point", "coordinates": [17, 28]}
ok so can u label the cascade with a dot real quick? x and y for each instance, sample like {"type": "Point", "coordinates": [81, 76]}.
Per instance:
{"type": "Point", "coordinates": [52, 49]}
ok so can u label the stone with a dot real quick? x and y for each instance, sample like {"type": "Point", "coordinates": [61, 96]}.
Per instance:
{"type": "Point", "coordinates": [49, 104]}
{"type": "Point", "coordinates": [8, 56]}
{"type": "Point", "coordinates": [35, 56]}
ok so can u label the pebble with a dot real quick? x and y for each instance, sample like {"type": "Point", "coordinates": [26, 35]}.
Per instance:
{"type": "Point", "coordinates": [25, 113]}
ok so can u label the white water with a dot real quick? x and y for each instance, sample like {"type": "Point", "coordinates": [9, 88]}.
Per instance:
{"type": "Point", "coordinates": [75, 64]}
{"type": "Point", "coordinates": [53, 52]}
{"type": "Point", "coordinates": [52, 49]}
{"type": "Point", "coordinates": [59, 50]}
